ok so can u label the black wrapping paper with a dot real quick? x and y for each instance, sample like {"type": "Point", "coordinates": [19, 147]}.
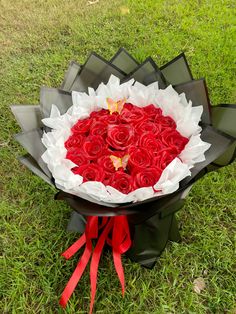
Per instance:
{"type": "Point", "coordinates": [70, 76]}
{"type": "Point", "coordinates": [124, 61]}
{"type": "Point", "coordinates": [147, 73]}
{"type": "Point", "coordinates": [177, 71]}
{"type": "Point", "coordinates": [93, 72]}
{"type": "Point", "coordinates": [28, 116]}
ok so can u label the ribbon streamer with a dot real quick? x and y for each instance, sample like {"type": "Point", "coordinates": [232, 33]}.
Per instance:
{"type": "Point", "coordinates": [115, 232]}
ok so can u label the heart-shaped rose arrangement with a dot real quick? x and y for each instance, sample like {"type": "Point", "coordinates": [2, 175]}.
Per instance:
{"type": "Point", "coordinates": [126, 149]}
{"type": "Point", "coordinates": [123, 142]}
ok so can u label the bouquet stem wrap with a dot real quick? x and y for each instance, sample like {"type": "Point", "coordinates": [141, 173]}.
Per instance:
{"type": "Point", "coordinates": [111, 230]}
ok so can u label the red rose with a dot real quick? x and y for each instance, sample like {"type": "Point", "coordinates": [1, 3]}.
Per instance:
{"type": "Point", "coordinates": [139, 158]}
{"type": "Point", "coordinates": [147, 177]}
{"type": "Point", "coordinates": [172, 138]}
{"type": "Point", "coordinates": [128, 106]}
{"type": "Point", "coordinates": [75, 140]}
{"type": "Point", "coordinates": [145, 127]}
{"type": "Point", "coordinates": [135, 114]}
{"type": "Point", "coordinates": [95, 115]}
{"type": "Point", "coordinates": [164, 122]}
{"type": "Point", "coordinates": [98, 128]}
{"type": "Point", "coordinates": [94, 146]}
{"type": "Point", "coordinates": [107, 178]}
{"type": "Point", "coordinates": [120, 136]}
{"type": "Point", "coordinates": [82, 126]}
{"type": "Point", "coordinates": [91, 172]}
{"type": "Point", "coordinates": [152, 144]}
{"type": "Point", "coordinates": [106, 163]}
{"type": "Point", "coordinates": [165, 157]}
{"type": "Point", "coordinates": [152, 112]}
{"type": "Point", "coordinates": [77, 155]}
{"type": "Point", "coordinates": [113, 118]}
{"type": "Point", "coordinates": [121, 181]}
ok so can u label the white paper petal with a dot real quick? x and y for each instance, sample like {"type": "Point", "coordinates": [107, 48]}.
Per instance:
{"type": "Point", "coordinates": [194, 150]}
{"type": "Point", "coordinates": [142, 194]}
{"type": "Point", "coordinates": [171, 176]}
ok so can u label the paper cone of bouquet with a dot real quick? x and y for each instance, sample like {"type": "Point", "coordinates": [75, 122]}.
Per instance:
{"type": "Point", "coordinates": [123, 143]}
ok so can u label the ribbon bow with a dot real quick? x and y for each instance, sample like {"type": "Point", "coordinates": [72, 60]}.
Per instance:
{"type": "Point", "coordinates": [115, 232]}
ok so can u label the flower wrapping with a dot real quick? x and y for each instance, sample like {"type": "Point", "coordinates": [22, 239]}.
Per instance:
{"type": "Point", "coordinates": [60, 160]}
{"type": "Point", "coordinates": [141, 221]}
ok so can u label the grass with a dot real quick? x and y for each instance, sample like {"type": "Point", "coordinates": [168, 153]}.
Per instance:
{"type": "Point", "coordinates": [38, 39]}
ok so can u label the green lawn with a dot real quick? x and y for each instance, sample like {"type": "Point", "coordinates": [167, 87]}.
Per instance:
{"type": "Point", "coordinates": [38, 39]}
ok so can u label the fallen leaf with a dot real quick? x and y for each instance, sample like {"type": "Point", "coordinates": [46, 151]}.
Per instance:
{"type": "Point", "coordinates": [199, 285]}
{"type": "Point", "coordinates": [124, 10]}
{"type": "Point", "coordinates": [92, 2]}
{"type": "Point", "coordinates": [205, 272]}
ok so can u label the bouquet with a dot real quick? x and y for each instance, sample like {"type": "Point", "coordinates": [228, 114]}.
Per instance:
{"type": "Point", "coordinates": [123, 143]}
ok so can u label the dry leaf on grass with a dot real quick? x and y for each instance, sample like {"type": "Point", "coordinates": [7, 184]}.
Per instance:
{"type": "Point", "coordinates": [124, 10]}
{"type": "Point", "coordinates": [92, 2]}
{"type": "Point", "coordinates": [199, 285]}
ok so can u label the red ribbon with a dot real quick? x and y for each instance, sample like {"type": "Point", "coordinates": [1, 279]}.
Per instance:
{"type": "Point", "coordinates": [115, 232]}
